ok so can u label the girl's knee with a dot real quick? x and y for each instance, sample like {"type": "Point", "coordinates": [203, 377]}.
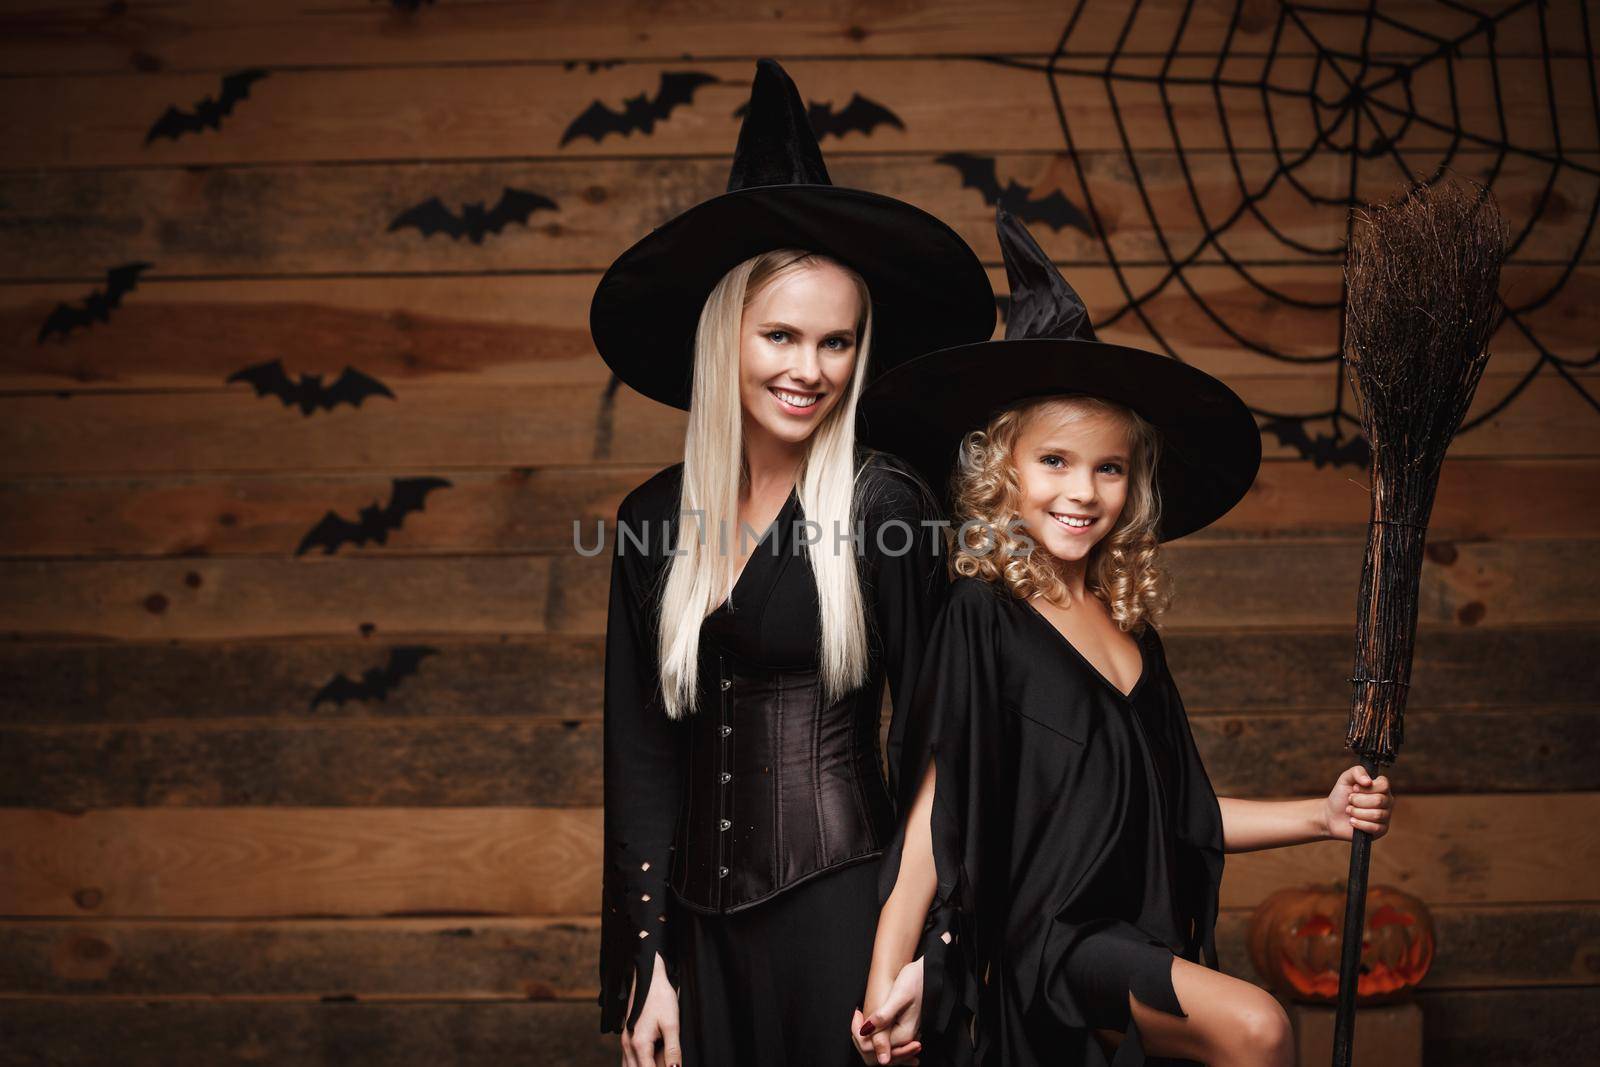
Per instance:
{"type": "Point", "coordinates": [1262, 1027]}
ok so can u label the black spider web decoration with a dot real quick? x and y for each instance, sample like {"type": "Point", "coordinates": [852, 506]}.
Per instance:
{"type": "Point", "coordinates": [1364, 123]}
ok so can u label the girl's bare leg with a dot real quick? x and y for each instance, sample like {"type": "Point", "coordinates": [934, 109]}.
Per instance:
{"type": "Point", "coordinates": [1230, 1023]}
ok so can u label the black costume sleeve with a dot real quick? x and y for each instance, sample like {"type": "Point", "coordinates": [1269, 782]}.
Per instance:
{"type": "Point", "coordinates": [1199, 829]}
{"type": "Point", "coordinates": [906, 546]}
{"type": "Point", "coordinates": [643, 783]}
{"type": "Point", "coordinates": [958, 728]}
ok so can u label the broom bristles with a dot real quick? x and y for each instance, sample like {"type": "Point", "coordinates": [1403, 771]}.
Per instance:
{"type": "Point", "coordinates": [1422, 274]}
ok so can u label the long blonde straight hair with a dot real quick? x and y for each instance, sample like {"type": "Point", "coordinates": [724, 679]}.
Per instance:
{"type": "Point", "coordinates": [714, 467]}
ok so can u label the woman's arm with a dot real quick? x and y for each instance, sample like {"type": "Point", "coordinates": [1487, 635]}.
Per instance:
{"type": "Point", "coordinates": [643, 788]}
{"type": "Point", "coordinates": [909, 587]}
{"type": "Point", "coordinates": [1358, 801]}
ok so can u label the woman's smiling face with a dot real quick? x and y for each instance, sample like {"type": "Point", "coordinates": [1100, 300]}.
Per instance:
{"type": "Point", "coordinates": [1072, 470]}
{"type": "Point", "coordinates": [797, 350]}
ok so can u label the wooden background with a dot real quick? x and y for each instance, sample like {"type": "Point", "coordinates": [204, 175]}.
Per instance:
{"type": "Point", "coordinates": [200, 864]}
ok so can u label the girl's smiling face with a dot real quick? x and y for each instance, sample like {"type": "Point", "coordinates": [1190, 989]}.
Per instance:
{"type": "Point", "coordinates": [797, 350]}
{"type": "Point", "coordinates": [1072, 472]}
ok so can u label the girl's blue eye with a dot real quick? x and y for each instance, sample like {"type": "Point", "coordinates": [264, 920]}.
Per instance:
{"type": "Point", "coordinates": [1115, 467]}
{"type": "Point", "coordinates": [839, 343]}
{"type": "Point", "coordinates": [1051, 460]}
{"type": "Point", "coordinates": [777, 336]}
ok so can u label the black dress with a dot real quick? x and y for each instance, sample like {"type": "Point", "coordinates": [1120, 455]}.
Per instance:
{"type": "Point", "coordinates": [773, 977]}
{"type": "Point", "coordinates": [1076, 836]}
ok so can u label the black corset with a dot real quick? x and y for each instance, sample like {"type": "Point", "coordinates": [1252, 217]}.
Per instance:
{"type": "Point", "coordinates": [779, 787]}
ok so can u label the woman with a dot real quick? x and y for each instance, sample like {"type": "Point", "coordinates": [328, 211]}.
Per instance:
{"type": "Point", "coordinates": [745, 808]}
{"type": "Point", "coordinates": [1065, 834]}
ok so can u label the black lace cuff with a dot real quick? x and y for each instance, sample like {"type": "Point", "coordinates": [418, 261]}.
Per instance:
{"type": "Point", "coordinates": [633, 932]}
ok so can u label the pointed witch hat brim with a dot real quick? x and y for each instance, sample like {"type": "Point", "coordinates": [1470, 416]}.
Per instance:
{"type": "Point", "coordinates": [928, 287]}
{"type": "Point", "coordinates": [920, 410]}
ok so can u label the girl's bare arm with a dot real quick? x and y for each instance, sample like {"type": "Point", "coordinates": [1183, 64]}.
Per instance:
{"type": "Point", "coordinates": [1357, 802]}
{"type": "Point", "coordinates": [904, 914]}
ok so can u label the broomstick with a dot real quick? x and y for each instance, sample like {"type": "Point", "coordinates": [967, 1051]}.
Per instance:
{"type": "Point", "coordinates": [1422, 275]}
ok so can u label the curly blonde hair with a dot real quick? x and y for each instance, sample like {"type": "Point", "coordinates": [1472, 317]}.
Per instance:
{"type": "Point", "coordinates": [1124, 568]}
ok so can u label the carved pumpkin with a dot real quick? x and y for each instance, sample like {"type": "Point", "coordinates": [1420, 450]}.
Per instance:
{"type": "Point", "coordinates": [1295, 938]}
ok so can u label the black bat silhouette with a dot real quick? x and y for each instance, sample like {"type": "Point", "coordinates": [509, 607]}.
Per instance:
{"type": "Point", "coordinates": [978, 172]}
{"type": "Point", "coordinates": [859, 114]}
{"type": "Point", "coordinates": [351, 387]}
{"type": "Point", "coordinates": [174, 123]}
{"type": "Point", "coordinates": [431, 216]}
{"type": "Point", "coordinates": [1323, 450]}
{"type": "Point", "coordinates": [405, 496]}
{"type": "Point", "coordinates": [640, 112]}
{"type": "Point", "coordinates": [375, 683]}
{"type": "Point", "coordinates": [96, 307]}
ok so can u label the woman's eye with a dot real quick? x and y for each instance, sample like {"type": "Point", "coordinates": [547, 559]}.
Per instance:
{"type": "Point", "coordinates": [1051, 461]}
{"type": "Point", "coordinates": [1116, 468]}
{"type": "Point", "coordinates": [838, 344]}
{"type": "Point", "coordinates": [777, 337]}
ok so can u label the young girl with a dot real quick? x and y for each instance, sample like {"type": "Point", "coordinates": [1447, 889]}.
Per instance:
{"type": "Point", "coordinates": [1065, 837]}
{"type": "Point", "coordinates": [745, 808]}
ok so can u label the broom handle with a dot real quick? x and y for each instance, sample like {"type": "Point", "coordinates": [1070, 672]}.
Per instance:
{"type": "Point", "coordinates": [1355, 908]}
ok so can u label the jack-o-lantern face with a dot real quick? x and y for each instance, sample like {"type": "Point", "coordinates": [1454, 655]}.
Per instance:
{"type": "Point", "coordinates": [1296, 936]}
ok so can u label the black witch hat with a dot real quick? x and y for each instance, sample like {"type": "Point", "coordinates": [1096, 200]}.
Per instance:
{"type": "Point", "coordinates": [1211, 447]}
{"type": "Point", "coordinates": [928, 287]}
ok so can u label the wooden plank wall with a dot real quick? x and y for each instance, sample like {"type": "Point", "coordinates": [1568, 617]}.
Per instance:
{"type": "Point", "coordinates": [205, 858]}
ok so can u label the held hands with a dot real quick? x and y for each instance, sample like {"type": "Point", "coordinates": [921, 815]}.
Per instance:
{"type": "Point", "coordinates": [888, 1035]}
{"type": "Point", "coordinates": [658, 1022]}
{"type": "Point", "coordinates": [1359, 802]}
